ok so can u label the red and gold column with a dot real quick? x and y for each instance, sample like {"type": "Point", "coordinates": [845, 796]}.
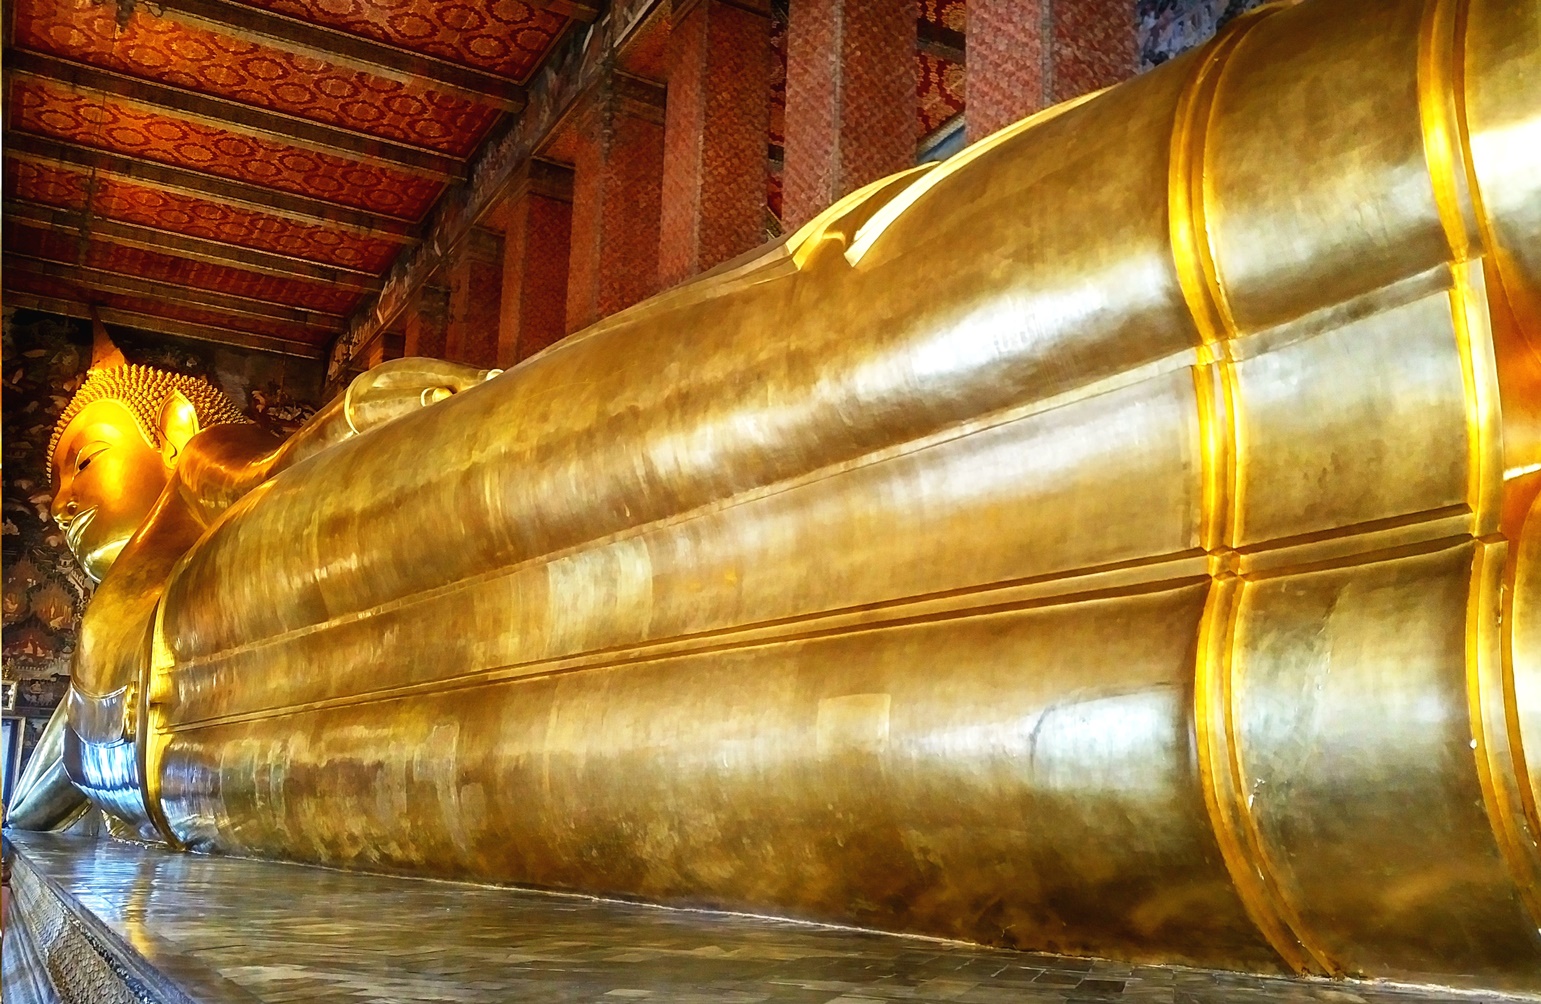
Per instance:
{"type": "Point", "coordinates": [718, 118]}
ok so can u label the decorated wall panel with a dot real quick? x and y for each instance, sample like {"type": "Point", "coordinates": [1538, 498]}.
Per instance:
{"type": "Point", "coordinates": [939, 80]}
{"type": "Point", "coordinates": [940, 86]}
{"type": "Point", "coordinates": [778, 117]}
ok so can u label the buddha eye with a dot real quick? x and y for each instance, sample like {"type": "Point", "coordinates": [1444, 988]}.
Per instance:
{"type": "Point", "coordinates": [87, 455]}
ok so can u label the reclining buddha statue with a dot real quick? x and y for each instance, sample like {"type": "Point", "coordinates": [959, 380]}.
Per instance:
{"type": "Point", "coordinates": [1117, 539]}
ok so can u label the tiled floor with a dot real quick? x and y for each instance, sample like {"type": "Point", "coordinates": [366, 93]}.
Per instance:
{"type": "Point", "coordinates": [253, 931]}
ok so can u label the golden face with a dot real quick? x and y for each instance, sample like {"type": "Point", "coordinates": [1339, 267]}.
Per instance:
{"type": "Point", "coordinates": [107, 477]}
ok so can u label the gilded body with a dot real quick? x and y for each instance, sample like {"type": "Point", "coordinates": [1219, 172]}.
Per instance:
{"type": "Point", "coordinates": [1114, 540]}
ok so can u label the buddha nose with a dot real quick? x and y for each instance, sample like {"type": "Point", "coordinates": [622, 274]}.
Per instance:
{"type": "Point", "coordinates": [64, 510]}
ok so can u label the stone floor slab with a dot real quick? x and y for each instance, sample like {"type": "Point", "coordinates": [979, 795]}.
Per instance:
{"type": "Point", "coordinates": [196, 930]}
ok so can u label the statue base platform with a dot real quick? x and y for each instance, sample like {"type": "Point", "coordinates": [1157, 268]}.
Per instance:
{"type": "Point", "coordinates": [107, 922]}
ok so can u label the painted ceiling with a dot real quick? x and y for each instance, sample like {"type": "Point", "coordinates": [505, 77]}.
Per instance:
{"type": "Point", "coordinates": [244, 172]}
{"type": "Point", "coordinates": [247, 171]}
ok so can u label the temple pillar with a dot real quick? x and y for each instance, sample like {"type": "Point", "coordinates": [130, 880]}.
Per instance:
{"type": "Point", "coordinates": [536, 249]}
{"type": "Point", "coordinates": [389, 344]}
{"type": "Point", "coordinates": [475, 296]}
{"type": "Point", "coordinates": [617, 187]}
{"type": "Point", "coordinates": [427, 317]}
{"type": "Point", "coordinates": [1025, 55]}
{"type": "Point", "coordinates": [716, 124]}
{"type": "Point", "coordinates": [851, 104]}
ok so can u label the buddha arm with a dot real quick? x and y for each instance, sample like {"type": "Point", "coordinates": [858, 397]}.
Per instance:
{"type": "Point", "coordinates": [100, 751]}
{"type": "Point", "coordinates": [225, 462]}
{"type": "Point", "coordinates": [384, 392]}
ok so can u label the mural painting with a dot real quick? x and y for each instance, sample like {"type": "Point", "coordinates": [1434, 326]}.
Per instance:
{"type": "Point", "coordinates": [1169, 28]}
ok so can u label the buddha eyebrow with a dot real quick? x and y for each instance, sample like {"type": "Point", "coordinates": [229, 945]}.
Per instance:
{"type": "Point", "coordinates": [73, 456]}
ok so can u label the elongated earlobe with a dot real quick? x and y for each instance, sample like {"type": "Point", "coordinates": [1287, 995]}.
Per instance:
{"type": "Point", "coordinates": [179, 423]}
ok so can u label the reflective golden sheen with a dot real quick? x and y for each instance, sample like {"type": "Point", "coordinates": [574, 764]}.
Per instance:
{"type": "Point", "coordinates": [1114, 540]}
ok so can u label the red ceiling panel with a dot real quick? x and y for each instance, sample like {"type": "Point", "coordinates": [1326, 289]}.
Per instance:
{"type": "Point", "coordinates": [60, 289]}
{"type": "Point", "coordinates": [60, 246]}
{"type": "Point", "coordinates": [116, 199]}
{"type": "Point", "coordinates": [256, 74]}
{"type": "Point", "coordinates": [195, 314]}
{"type": "Point", "coordinates": [241, 51]}
{"type": "Point", "coordinates": [500, 36]}
{"type": "Point", "coordinates": [41, 285]}
{"type": "Point", "coordinates": [55, 110]}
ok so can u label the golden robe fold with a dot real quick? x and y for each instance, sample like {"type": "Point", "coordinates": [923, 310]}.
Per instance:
{"type": "Point", "coordinates": [1112, 540]}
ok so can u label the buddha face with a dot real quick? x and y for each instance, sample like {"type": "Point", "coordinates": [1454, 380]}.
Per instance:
{"type": "Point", "coordinates": [107, 477]}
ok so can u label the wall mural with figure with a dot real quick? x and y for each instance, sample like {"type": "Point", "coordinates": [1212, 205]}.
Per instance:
{"type": "Point", "coordinates": [44, 590]}
{"type": "Point", "coordinates": [1169, 28]}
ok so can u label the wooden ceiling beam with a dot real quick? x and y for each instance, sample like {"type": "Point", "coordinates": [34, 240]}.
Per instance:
{"type": "Point", "coordinates": [106, 281]}
{"type": "Point", "coordinates": [250, 118]}
{"type": "Point", "coordinates": [195, 248]}
{"type": "Point", "coordinates": [167, 326]}
{"type": "Point", "coordinates": [345, 49]}
{"type": "Point", "coordinates": [578, 10]}
{"type": "Point", "coordinates": [302, 208]}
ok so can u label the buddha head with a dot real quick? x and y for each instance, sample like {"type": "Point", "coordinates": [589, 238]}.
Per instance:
{"type": "Point", "coordinates": [115, 448]}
